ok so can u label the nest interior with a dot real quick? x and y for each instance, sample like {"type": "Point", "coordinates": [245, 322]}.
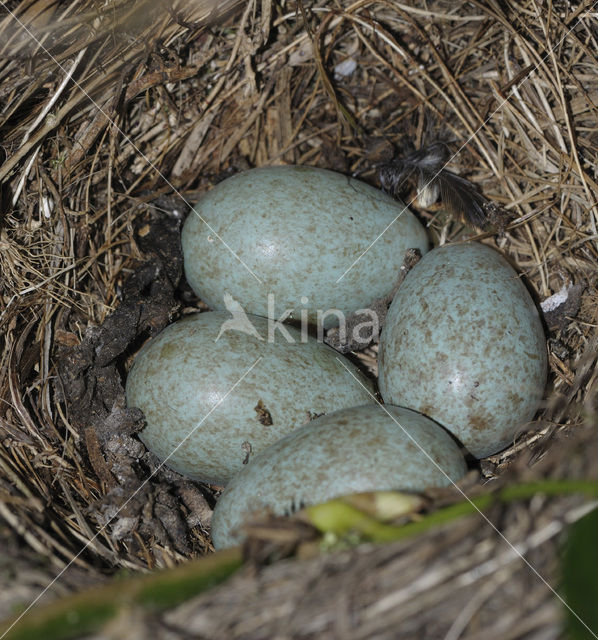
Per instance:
{"type": "Point", "coordinates": [115, 116]}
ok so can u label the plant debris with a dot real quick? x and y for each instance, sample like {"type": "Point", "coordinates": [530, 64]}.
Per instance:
{"type": "Point", "coordinates": [115, 119]}
{"type": "Point", "coordinates": [92, 386]}
{"type": "Point", "coordinates": [561, 307]}
{"type": "Point", "coordinates": [263, 414]}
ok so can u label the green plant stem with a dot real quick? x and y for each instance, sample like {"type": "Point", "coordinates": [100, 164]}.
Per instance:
{"type": "Point", "coordinates": [85, 612]}
{"type": "Point", "coordinates": [342, 518]}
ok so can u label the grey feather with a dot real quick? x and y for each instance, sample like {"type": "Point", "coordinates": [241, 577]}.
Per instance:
{"type": "Point", "coordinates": [427, 166]}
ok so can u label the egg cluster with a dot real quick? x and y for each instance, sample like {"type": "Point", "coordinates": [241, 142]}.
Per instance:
{"type": "Point", "coordinates": [246, 396]}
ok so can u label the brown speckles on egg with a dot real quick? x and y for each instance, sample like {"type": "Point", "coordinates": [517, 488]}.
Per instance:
{"type": "Point", "coordinates": [284, 223]}
{"type": "Point", "coordinates": [213, 395]}
{"type": "Point", "coordinates": [478, 423]}
{"type": "Point", "coordinates": [465, 302]}
{"type": "Point", "coordinates": [349, 451]}
{"type": "Point", "coordinates": [532, 356]}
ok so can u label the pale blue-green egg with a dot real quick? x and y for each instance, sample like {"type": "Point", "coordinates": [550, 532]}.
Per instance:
{"type": "Point", "coordinates": [216, 389]}
{"type": "Point", "coordinates": [463, 343]}
{"type": "Point", "coordinates": [366, 448]}
{"type": "Point", "coordinates": [297, 238]}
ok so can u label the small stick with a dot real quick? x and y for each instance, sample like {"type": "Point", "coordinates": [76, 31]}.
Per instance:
{"type": "Point", "coordinates": [351, 341]}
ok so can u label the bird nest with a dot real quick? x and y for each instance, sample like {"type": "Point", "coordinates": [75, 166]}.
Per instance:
{"type": "Point", "coordinates": [115, 117]}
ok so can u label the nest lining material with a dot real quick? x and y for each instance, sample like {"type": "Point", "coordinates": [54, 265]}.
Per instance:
{"type": "Point", "coordinates": [121, 114]}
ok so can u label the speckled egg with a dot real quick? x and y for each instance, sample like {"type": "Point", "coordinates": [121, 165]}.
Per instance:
{"type": "Point", "coordinates": [463, 344]}
{"type": "Point", "coordinates": [366, 448]}
{"type": "Point", "coordinates": [297, 238]}
{"type": "Point", "coordinates": [216, 390]}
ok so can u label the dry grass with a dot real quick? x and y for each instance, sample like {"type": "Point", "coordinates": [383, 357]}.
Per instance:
{"type": "Point", "coordinates": [114, 104]}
